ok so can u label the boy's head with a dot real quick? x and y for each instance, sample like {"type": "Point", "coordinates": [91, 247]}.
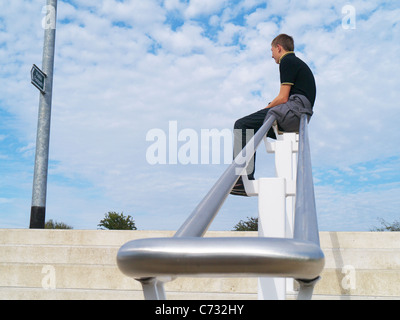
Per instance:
{"type": "Point", "coordinates": [280, 45]}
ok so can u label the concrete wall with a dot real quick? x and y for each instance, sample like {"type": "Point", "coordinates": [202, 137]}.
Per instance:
{"type": "Point", "coordinates": [43, 264]}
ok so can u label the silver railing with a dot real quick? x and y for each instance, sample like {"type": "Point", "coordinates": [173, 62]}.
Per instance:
{"type": "Point", "coordinates": [155, 261]}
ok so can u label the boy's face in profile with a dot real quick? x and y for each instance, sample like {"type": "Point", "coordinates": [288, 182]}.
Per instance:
{"type": "Point", "coordinates": [277, 53]}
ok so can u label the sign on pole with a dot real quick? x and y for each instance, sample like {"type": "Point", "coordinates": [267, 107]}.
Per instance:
{"type": "Point", "coordinates": [38, 78]}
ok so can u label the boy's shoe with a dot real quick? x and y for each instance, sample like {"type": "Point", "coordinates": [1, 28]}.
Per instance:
{"type": "Point", "coordinates": [238, 189]}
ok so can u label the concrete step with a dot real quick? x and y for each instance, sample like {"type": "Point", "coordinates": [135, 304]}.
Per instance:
{"type": "Point", "coordinates": [359, 282]}
{"type": "Point", "coordinates": [75, 237]}
{"type": "Point", "coordinates": [67, 294]}
{"type": "Point", "coordinates": [109, 295]}
{"type": "Point", "coordinates": [329, 240]}
{"type": "Point", "coordinates": [74, 294]}
{"type": "Point", "coordinates": [388, 259]}
{"type": "Point", "coordinates": [108, 278]}
{"type": "Point", "coordinates": [45, 254]}
{"type": "Point", "coordinates": [360, 240]}
{"type": "Point", "coordinates": [65, 264]}
{"type": "Point", "coordinates": [60, 276]}
{"type": "Point", "coordinates": [92, 237]}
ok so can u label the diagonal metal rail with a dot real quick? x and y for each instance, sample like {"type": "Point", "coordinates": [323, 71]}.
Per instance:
{"type": "Point", "coordinates": [201, 218]}
{"type": "Point", "coordinates": [152, 261]}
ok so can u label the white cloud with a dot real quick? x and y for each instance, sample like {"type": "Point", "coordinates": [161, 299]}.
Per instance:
{"type": "Point", "coordinates": [172, 5]}
{"type": "Point", "coordinates": [204, 7]}
{"type": "Point", "coordinates": [5, 200]}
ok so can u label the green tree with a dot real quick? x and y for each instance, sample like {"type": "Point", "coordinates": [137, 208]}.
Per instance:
{"type": "Point", "coordinates": [250, 225]}
{"type": "Point", "coordinates": [56, 225]}
{"type": "Point", "coordinates": [117, 221]}
{"type": "Point", "coordinates": [387, 226]}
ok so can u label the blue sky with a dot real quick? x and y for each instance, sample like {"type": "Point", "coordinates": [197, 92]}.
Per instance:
{"type": "Point", "coordinates": [123, 68]}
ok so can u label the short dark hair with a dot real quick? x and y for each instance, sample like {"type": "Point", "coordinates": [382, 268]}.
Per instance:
{"type": "Point", "coordinates": [285, 41]}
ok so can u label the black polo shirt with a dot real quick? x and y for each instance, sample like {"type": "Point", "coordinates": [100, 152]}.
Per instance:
{"type": "Point", "coordinates": [296, 73]}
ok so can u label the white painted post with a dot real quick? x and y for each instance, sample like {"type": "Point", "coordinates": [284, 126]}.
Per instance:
{"type": "Point", "coordinates": [271, 224]}
{"type": "Point", "coordinates": [286, 148]}
{"type": "Point", "coordinates": [276, 205]}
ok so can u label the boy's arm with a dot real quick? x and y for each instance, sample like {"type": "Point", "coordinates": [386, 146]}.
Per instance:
{"type": "Point", "coordinates": [283, 96]}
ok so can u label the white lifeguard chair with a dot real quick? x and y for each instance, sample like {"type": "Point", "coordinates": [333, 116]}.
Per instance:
{"type": "Point", "coordinates": [276, 204]}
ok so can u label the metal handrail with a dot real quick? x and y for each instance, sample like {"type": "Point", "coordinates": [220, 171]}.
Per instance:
{"type": "Point", "coordinates": [306, 222]}
{"type": "Point", "coordinates": [189, 254]}
{"type": "Point", "coordinates": [201, 218]}
{"type": "Point", "coordinates": [203, 257]}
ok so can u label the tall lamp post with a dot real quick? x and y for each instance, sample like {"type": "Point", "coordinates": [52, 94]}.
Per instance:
{"type": "Point", "coordinates": [43, 80]}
